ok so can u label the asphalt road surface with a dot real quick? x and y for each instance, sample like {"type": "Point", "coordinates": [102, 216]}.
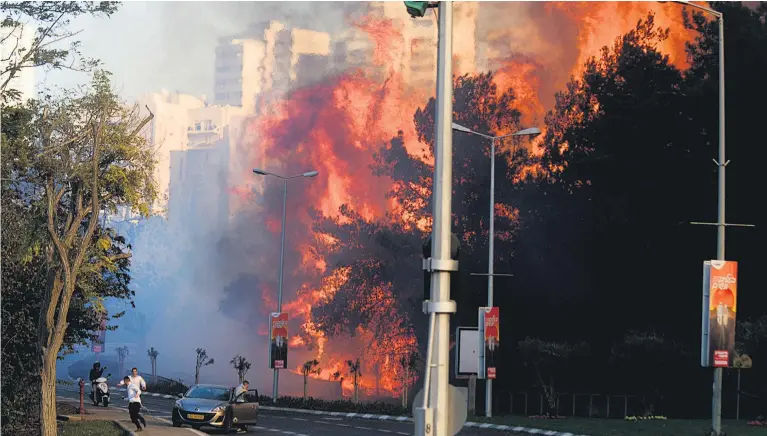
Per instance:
{"type": "Point", "coordinates": [283, 422]}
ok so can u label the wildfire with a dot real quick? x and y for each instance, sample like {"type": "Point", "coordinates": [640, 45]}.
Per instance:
{"type": "Point", "coordinates": [335, 127]}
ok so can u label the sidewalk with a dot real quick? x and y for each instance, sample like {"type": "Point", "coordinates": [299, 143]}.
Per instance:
{"type": "Point", "coordinates": [155, 426]}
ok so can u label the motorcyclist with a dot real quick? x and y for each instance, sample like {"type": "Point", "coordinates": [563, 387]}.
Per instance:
{"type": "Point", "coordinates": [96, 372]}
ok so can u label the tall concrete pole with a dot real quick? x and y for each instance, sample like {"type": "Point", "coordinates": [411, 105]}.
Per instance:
{"type": "Point", "coordinates": [442, 191]}
{"type": "Point", "coordinates": [716, 415]}
{"type": "Point", "coordinates": [490, 271]}
{"type": "Point", "coordinates": [276, 381]}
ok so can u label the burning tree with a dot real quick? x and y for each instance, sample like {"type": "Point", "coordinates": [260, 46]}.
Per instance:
{"type": "Point", "coordinates": [202, 360]}
{"type": "Point", "coordinates": [241, 365]}
{"type": "Point", "coordinates": [152, 353]}
{"type": "Point", "coordinates": [409, 364]}
{"type": "Point", "coordinates": [308, 368]}
{"type": "Point", "coordinates": [355, 371]}
{"type": "Point", "coordinates": [382, 293]}
{"type": "Point", "coordinates": [122, 353]}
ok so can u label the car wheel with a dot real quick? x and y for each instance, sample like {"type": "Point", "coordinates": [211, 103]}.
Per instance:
{"type": "Point", "coordinates": [196, 427]}
{"type": "Point", "coordinates": [176, 424]}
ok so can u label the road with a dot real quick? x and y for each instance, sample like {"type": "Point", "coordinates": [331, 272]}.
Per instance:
{"type": "Point", "coordinates": [286, 422]}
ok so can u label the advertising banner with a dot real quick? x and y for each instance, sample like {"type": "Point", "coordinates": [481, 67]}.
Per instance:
{"type": "Point", "coordinates": [278, 335]}
{"type": "Point", "coordinates": [98, 343]}
{"type": "Point", "coordinates": [720, 301]}
{"type": "Point", "coordinates": [490, 334]}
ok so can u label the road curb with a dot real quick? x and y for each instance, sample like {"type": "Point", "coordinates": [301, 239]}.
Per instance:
{"type": "Point", "coordinates": [469, 424]}
{"type": "Point", "coordinates": [125, 429]}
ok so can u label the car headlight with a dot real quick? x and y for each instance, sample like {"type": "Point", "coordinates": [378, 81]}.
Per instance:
{"type": "Point", "coordinates": [219, 408]}
{"type": "Point", "coordinates": [178, 405]}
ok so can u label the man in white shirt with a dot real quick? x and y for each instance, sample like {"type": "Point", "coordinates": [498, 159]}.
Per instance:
{"type": "Point", "coordinates": [135, 379]}
{"type": "Point", "coordinates": [134, 403]}
{"type": "Point", "coordinates": [239, 390]}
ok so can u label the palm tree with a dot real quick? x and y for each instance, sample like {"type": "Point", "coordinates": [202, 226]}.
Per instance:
{"type": "Point", "coordinates": [241, 365]}
{"type": "Point", "coordinates": [202, 360]}
{"type": "Point", "coordinates": [309, 367]}
{"type": "Point", "coordinates": [355, 371]}
{"type": "Point", "coordinates": [337, 377]}
{"type": "Point", "coordinates": [153, 353]}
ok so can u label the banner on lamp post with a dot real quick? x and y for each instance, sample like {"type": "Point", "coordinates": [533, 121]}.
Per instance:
{"type": "Point", "coordinates": [99, 342]}
{"type": "Point", "coordinates": [278, 340]}
{"type": "Point", "coordinates": [719, 314]}
{"type": "Point", "coordinates": [489, 333]}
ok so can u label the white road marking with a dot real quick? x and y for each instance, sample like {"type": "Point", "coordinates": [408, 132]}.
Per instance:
{"type": "Point", "coordinates": [363, 428]}
{"type": "Point", "coordinates": [333, 419]}
{"type": "Point", "coordinates": [343, 425]}
{"type": "Point", "coordinates": [299, 419]}
{"type": "Point", "coordinates": [384, 430]}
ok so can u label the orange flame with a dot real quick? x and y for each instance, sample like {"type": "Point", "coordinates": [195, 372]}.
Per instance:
{"type": "Point", "coordinates": [336, 126]}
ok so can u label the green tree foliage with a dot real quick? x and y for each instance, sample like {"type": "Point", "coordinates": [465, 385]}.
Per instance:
{"type": "Point", "coordinates": [78, 154]}
{"type": "Point", "coordinates": [49, 23]}
{"type": "Point", "coordinates": [547, 361]}
{"type": "Point", "coordinates": [26, 263]}
{"type": "Point", "coordinates": [654, 354]}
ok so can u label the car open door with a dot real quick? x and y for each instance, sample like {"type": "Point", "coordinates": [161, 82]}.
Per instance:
{"type": "Point", "coordinates": [245, 408]}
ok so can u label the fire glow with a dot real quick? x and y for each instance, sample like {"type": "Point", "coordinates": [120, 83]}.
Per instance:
{"type": "Point", "coordinates": [336, 126]}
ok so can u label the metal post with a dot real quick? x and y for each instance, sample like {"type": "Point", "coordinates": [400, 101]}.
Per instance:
{"type": "Point", "coordinates": [275, 385]}
{"type": "Point", "coordinates": [82, 395]}
{"type": "Point", "coordinates": [443, 177]}
{"type": "Point", "coordinates": [737, 404]}
{"type": "Point", "coordinates": [490, 269]}
{"type": "Point", "coordinates": [717, 400]}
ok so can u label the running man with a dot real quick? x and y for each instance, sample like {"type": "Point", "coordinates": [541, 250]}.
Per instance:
{"type": "Point", "coordinates": [134, 404]}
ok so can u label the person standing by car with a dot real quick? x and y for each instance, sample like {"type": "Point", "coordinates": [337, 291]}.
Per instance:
{"type": "Point", "coordinates": [134, 404]}
{"type": "Point", "coordinates": [240, 390]}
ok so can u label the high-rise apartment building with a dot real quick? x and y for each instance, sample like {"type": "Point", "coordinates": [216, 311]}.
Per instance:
{"type": "Point", "coordinates": [167, 132]}
{"type": "Point", "coordinates": [239, 66]}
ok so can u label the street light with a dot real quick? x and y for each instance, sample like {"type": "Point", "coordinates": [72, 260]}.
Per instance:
{"type": "Point", "coordinates": [282, 249]}
{"type": "Point", "coordinates": [716, 402]}
{"type": "Point", "coordinates": [533, 131]}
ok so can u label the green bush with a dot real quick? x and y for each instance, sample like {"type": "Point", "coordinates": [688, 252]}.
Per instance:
{"type": "Point", "coordinates": [345, 406]}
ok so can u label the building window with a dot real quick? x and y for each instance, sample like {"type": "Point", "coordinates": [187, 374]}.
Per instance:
{"type": "Point", "coordinates": [197, 127]}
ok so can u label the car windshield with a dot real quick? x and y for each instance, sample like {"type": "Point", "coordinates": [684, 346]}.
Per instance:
{"type": "Point", "coordinates": [208, 393]}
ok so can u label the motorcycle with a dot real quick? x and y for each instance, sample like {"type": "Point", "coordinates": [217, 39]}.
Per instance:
{"type": "Point", "coordinates": [100, 391]}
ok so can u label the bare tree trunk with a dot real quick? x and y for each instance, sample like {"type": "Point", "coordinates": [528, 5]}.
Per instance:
{"type": "Point", "coordinates": [48, 424]}
{"type": "Point", "coordinates": [306, 384]}
{"type": "Point", "coordinates": [197, 375]}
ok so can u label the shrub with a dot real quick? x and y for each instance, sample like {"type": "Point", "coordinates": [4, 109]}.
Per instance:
{"type": "Point", "coordinates": [345, 406]}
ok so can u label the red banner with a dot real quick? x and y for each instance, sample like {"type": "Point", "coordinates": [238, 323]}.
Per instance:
{"type": "Point", "coordinates": [722, 286]}
{"type": "Point", "coordinates": [278, 338]}
{"type": "Point", "coordinates": [97, 344]}
{"type": "Point", "coordinates": [491, 337]}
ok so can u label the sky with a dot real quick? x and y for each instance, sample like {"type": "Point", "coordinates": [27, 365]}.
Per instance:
{"type": "Point", "coordinates": [149, 46]}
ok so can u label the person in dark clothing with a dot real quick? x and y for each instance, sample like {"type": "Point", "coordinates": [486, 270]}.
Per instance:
{"type": "Point", "coordinates": [96, 372]}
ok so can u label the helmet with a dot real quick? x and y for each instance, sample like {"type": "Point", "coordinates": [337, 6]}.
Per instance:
{"type": "Point", "coordinates": [96, 365]}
